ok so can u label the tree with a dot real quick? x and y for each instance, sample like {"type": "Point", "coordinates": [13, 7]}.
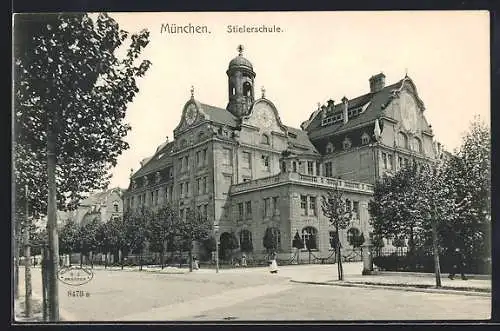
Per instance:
{"type": "Point", "coordinates": [392, 208]}
{"type": "Point", "coordinates": [335, 209]}
{"type": "Point", "coordinates": [87, 236]}
{"type": "Point", "coordinates": [356, 237]}
{"type": "Point", "coordinates": [161, 228]}
{"type": "Point", "coordinates": [196, 227]}
{"type": "Point", "coordinates": [297, 243]}
{"type": "Point", "coordinates": [270, 240]}
{"type": "Point", "coordinates": [210, 245]}
{"type": "Point", "coordinates": [469, 173]}
{"type": "Point", "coordinates": [377, 243]}
{"type": "Point", "coordinates": [116, 232]}
{"type": "Point", "coordinates": [135, 231]}
{"type": "Point", "coordinates": [228, 242]}
{"type": "Point", "coordinates": [69, 237]}
{"type": "Point", "coordinates": [71, 93]}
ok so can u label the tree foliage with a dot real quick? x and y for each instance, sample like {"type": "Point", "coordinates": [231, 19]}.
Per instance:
{"type": "Point", "coordinates": [68, 77]}
{"type": "Point", "coordinates": [162, 227]}
{"type": "Point", "coordinates": [297, 241]}
{"type": "Point", "coordinates": [69, 237]}
{"type": "Point", "coordinates": [270, 240]}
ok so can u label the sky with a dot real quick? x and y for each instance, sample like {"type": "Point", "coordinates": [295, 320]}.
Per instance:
{"type": "Point", "coordinates": [317, 56]}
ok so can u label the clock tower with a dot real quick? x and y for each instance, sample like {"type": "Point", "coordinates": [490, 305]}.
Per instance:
{"type": "Point", "coordinates": [240, 84]}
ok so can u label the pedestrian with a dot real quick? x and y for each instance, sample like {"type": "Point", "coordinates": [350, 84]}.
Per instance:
{"type": "Point", "coordinates": [273, 267]}
{"type": "Point", "coordinates": [195, 264]}
{"type": "Point", "coordinates": [243, 260]}
{"type": "Point", "coordinates": [458, 264]}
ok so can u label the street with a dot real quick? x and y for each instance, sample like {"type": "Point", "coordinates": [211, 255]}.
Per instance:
{"type": "Point", "coordinates": [248, 294]}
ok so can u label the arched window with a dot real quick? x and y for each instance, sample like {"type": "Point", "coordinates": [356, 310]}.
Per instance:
{"type": "Point", "coordinates": [283, 166]}
{"type": "Point", "coordinates": [246, 241]}
{"type": "Point", "coordinates": [417, 145]}
{"type": "Point", "coordinates": [247, 89]}
{"type": "Point", "coordinates": [201, 136]}
{"type": "Point", "coordinates": [402, 140]}
{"type": "Point", "coordinates": [265, 139]}
{"type": "Point", "coordinates": [365, 138]}
{"type": "Point", "coordinates": [115, 206]}
{"type": "Point", "coordinates": [329, 148]}
{"type": "Point", "coordinates": [310, 237]}
{"type": "Point", "coordinates": [272, 239]}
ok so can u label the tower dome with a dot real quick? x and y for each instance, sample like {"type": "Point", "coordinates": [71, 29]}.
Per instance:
{"type": "Point", "coordinates": [241, 84]}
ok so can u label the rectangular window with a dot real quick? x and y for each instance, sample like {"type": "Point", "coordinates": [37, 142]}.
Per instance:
{"type": "Point", "coordinates": [275, 206]}
{"type": "Point", "coordinates": [152, 197]}
{"type": "Point", "coordinates": [240, 210]}
{"type": "Point", "coordinates": [205, 161]}
{"type": "Point", "coordinates": [267, 207]}
{"type": "Point", "coordinates": [355, 207]}
{"type": "Point", "coordinates": [157, 196]}
{"type": "Point", "coordinates": [389, 161]}
{"type": "Point", "coordinates": [400, 162]}
{"type": "Point", "coordinates": [181, 213]}
{"type": "Point", "coordinates": [187, 163]}
{"type": "Point", "coordinates": [198, 158]}
{"type": "Point", "coordinates": [180, 165]}
{"type": "Point", "coordinates": [181, 190]}
{"type": "Point", "coordinates": [348, 206]}
{"type": "Point", "coordinates": [204, 184]}
{"type": "Point", "coordinates": [312, 205]}
{"type": "Point", "coordinates": [294, 166]}
{"type": "Point", "coordinates": [328, 169]}
{"type": "Point", "coordinates": [227, 156]}
{"type": "Point", "coordinates": [187, 189]}
{"type": "Point", "coordinates": [205, 210]}
{"type": "Point", "coordinates": [198, 186]}
{"type": "Point", "coordinates": [248, 208]}
{"type": "Point", "coordinates": [310, 168]}
{"type": "Point", "coordinates": [199, 209]}
{"type": "Point", "coordinates": [384, 159]}
{"type": "Point", "coordinates": [247, 163]}
{"type": "Point", "coordinates": [265, 162]}
{"type": "Point", "coordinates": [303, 204]}
{"type": "Point", "coordinates": [318, 166]}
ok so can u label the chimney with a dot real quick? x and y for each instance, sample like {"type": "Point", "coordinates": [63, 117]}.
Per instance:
{"type": "Point", "coordinates": [346, 106]}
{"type": "Point", "coordinates": [330, 105]}
{"type": "Point", "coordinates": [377, 82]}
{"type": "Point", "coordinates": [323, 111]}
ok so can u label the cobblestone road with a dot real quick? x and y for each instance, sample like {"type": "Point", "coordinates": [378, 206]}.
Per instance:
{"type": "Point", "coordinates": [249, 295]}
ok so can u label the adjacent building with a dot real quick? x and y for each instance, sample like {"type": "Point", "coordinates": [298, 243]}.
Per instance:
{"type": "Point", "coordinates": [249, 172]}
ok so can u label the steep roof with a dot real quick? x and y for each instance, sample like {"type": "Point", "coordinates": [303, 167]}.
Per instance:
{"type": "Point", "coordinates": [98, 197]}
{"type": "Point", "coordinates": [375, 101]}
{"type": "Point", "coordinates": [219, 115]}
{"type": "Point", "coordinates": [156, 162]}
{"type": "Point", "coordinates": [301, 139]}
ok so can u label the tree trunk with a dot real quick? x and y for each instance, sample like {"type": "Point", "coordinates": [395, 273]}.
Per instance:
{"type": "Point", "coordinates": [120, 253]}
{"type": "Point", "coordinates": [45, 295]}
{"type": "Point", "coordinates": [81, 259]}
{"type": "Point", "coordinates": [17, 238]}
{"type": "Point", "coordinates": [435, 249]}
{"type": "Point", "coordinates": [339, 259]}
{"type": "Point", "coordinates": [106, 261]}
{"type": "Point", "coordinates": [140, 260]}
{"type": "Point", "coordinates": [162, 257]}
{"type": "Point", "coordinates": [27, 268]}
{"type": "Point", "coordinates": [309, 256]}
{"type": "Point", "coordinates": [91, 257]}
{"type": "Point", "coordinates": [52, 223]}
{"type": "Point", "coordinates": [298, 255]}
{"type": "Point", "coordinates": [190, 258]}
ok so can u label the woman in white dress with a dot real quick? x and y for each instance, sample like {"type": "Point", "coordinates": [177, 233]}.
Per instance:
{"type": "Point", "coordinates": [273, 267]}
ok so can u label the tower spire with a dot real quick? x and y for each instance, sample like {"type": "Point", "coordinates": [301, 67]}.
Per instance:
{"type": "Point", "coordinates": [240, 48]}
{"type": "Point", "coordinates": [192, 92]}
{"type": "Point", "coordinates": [263, 90]}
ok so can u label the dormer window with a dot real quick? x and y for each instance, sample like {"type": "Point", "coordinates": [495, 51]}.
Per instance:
{"type": "Point", "coordinates": [157, 177]}
{"type": "Point", "coordinates": [264, 140]}
{"type": "Point", "coordinates": [346, 144]}
{"type": "Point", "coordinates": [365, 138]}
{"type": "Point", "coordinates": [330, 148]}
{"type": "Point", "coordinates": [161, 155]}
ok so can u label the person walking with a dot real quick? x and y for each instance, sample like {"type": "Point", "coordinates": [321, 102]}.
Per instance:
{"type": "Point", "coordinates": [458, 264]}
{"type": "Point", "coordinates": [273, 267]}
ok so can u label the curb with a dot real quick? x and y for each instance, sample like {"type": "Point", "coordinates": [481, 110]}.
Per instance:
{"type": "Point", "coordinates": [428, 275]}
{"type": "Point", "coordinates": [400, 288]}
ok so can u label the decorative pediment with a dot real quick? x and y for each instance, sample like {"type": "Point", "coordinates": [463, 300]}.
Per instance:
{"type": "Point", "coordinates": [264, 115]}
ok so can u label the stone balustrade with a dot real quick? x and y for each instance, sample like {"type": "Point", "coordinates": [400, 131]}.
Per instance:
{"type": "Point", "coordinates": [302, 178]}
